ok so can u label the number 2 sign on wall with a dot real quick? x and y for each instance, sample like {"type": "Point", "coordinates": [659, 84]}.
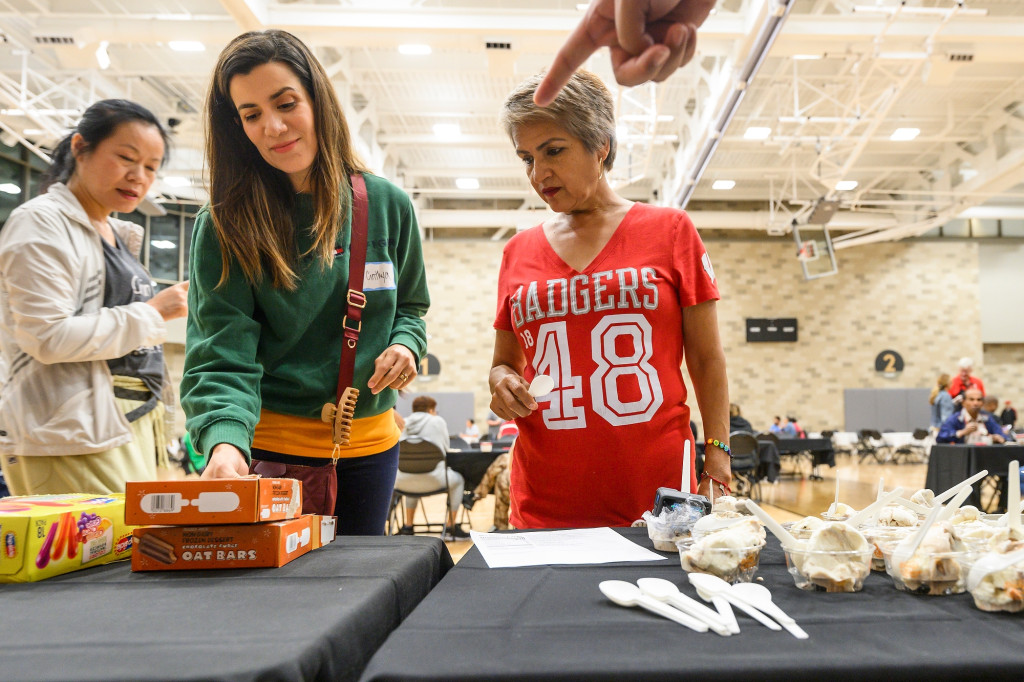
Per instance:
{"type": "Point", "coordinates": [889, 363]}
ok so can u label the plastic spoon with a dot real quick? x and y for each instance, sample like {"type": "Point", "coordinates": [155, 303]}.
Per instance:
{"type": "Point", "coordinates": [666, 591]}
{"type": "Point", "coordinates": [990, 563]}
{"type": "Point", "coordinates": [906, 548]}
{"type": "Point", "coordinates": [760, 597]}
{"type": "Point", "coordinates": [628, 594]}
{"type": "Point", "coordinates": [1013, 495]}
{"type": "Point", "coordinates": [913, 506]}
{"type": "Point", "coordinates": [945, 495]}
{"type": "Point", "coordinates": [541, 385]}
{"type": "Point", "coordinates": [869, 511]}
{"type": "Point", "coordinates": [712, 586]}
{"type": "Point", "coordinates": [1005, 520]}
{"type": "Point", "coordinates": [954, 504]}
{"type": "Point", "coordinates": [784, 536]}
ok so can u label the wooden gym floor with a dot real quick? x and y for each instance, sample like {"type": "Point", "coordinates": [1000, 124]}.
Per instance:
{"type": "Point", "coordinates": [794, 496]}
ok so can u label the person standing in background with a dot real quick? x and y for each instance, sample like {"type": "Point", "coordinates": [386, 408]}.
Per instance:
{"type": "Point", "coordinates": [1008, 416]}
{"type": "Point", "coordinates": [941, 403]}
{"type": "Point", "coordinates": [83, 400]}
{"type": "Point", "coordinates": [964, 380]}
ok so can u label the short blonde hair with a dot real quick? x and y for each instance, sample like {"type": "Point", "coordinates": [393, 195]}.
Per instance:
{"type": "Point", "coordinates": [584, 108]}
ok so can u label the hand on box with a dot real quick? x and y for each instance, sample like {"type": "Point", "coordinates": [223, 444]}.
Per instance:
{"type": "Point", "coordinates": [226, 461]}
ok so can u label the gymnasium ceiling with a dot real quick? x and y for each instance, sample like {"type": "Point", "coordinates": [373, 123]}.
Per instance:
{"type": "Point", "coordinates": [786, 100]}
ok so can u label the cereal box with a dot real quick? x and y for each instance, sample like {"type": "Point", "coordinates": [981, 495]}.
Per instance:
{"type": "Point", "coordinates": [252, 545]}
{"type": "Point", "coordinates": [45, 535]}
{"type": "Point", "coordinates": [227, 500]}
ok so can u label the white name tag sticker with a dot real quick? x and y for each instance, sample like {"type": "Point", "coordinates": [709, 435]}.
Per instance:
{"type": "Point", "coordinates": [377, 276]}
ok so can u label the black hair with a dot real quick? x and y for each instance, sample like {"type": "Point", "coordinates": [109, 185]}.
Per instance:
{"type": "Point", "coordinates": [98, 123]}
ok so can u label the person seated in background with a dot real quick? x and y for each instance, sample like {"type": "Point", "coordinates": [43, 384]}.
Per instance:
{"type": "Point", "coordinates": [425, 426]}
{"type": "Point", "coordinates": [508, 429]}
{"type": "Point", "coordinates": [776, 426]}
{"type": "Point", "coordinates": [964, 380]}
{"type": "Point", "coordinates": [472, 434]}
{"type": "Point", "coordinates": [971, 426]}
{"type": "Point", "coordinates": [800, 433]}
{"type": "Point", "coordinates": [736, 421]}
{"type": "Point", "coordinates": [496, 478]}
{"type": "Point", "coordinates": [787, 429]}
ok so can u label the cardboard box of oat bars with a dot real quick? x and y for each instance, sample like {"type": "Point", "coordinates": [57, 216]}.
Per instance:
{"type": "Point", "coordinates": [253, 545]}
{"type": "Point", "coordinates": [249, 499]}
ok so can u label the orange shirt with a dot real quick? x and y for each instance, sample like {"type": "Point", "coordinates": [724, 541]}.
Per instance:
{"type": "Point", "coordinates": [305, 437]}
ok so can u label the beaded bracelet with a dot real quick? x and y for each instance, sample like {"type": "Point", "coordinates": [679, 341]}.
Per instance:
{"type": "Point", "coordinates": [724, 447]}
{"type": "Point", "coordinates": [725, 488]}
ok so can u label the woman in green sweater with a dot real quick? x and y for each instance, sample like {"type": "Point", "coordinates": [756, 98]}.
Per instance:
{"type": "Point", "coordinates": [269, 275]}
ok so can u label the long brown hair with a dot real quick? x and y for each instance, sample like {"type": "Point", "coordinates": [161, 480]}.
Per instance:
{"type": "Point", "coordinates": [250, 200]}
{"type": "Point", "coordinates": [941, 385]}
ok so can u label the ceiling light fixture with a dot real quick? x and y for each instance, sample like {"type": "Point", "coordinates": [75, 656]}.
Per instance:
{"type": "Point", "coordinates": [467, 183]}
{"type": "Point", "coordinates": [414, 49]}
{"type": "Point", "coordinates": [723, 184]}
{"type": "Point", "coordinates": [806, 57]}
{"type": "Point", "coordinates": [904, 134]}
{"type": "Point", "coordinates": [177, 181]}
{"type": "Point", "coordinates": [10, 188]}
{"type": "Point", "coordinates": [102, 58]}
{"type": "Point", "coordinates": [773, 18]}
{"type": "Point", "coordinates": [447, 131]}
{"type": "Point", "coordinates": [186, 46]}
{"type": "Point", "coordinates": [846, 185]}
{"type": "Point", "coordinates": [757, 133]}
{"type": "Point", "coordinates": [162, 244]}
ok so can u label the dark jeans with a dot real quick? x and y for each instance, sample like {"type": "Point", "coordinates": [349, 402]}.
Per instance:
{"type": "Point", "coordinates": [364, 488]}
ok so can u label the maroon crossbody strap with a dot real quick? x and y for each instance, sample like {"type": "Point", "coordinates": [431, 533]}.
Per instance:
{"type": "Point", "coordinates": [355, 299]}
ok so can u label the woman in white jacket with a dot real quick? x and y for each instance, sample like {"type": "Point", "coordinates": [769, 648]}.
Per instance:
{"type": "Point", "coordinates": [83, 392]}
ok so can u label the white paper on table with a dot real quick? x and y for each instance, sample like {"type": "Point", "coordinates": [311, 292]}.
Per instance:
{"type": "Point", "coordinates": [581, 546]}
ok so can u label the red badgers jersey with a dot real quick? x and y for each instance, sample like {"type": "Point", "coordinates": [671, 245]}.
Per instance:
{"type": "Point", "coordinates": [611, 337]}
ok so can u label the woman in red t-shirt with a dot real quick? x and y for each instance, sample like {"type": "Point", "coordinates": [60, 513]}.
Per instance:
{"type": "Point", "coordinates": [600, 298]}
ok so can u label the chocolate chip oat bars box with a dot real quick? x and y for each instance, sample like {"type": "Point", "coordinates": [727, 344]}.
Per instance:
{"type": "Point", "coordinates": [254, 545]}
{"type": "Point", "coordinates": [249, 499]}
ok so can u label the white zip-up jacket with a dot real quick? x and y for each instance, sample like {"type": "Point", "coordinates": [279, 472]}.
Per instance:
{"type": "Point", "coordinates": [56, 391]}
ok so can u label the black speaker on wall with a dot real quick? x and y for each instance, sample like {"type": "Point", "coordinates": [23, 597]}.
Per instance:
{"type": "Point", "coordinates": [763, 329]}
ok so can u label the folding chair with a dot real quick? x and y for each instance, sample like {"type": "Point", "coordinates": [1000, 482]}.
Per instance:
{"type": "Point", "coordinates": [745, 462]}
{"type": "Point", "coordinates": [417, 458]}
{"type": "Point", "coordinates": [914, 451]}
{"type": "Point", "coordinates": [871, 444]}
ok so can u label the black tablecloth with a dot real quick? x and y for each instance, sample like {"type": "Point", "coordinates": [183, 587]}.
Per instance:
{"type": "Point", "coordinates": [472, 463]}
{"type": "Point", "coordinates": [950, 464]}
{"type": "Point", "coordinates": [319, 617]}
{"type": "Point", "coordinates": [820, 449]}
{"type": "Point", "coordinates": [552, 623]}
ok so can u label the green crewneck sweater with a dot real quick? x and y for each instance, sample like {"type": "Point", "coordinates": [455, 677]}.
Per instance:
{"type": "Point", "coordinates": [250, 347]}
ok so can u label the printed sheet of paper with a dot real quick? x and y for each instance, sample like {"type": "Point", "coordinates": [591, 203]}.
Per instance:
{"type": "Point", "coordinates": [582, 546]}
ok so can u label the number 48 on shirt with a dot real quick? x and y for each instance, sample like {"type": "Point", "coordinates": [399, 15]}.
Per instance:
{"type": "Point", "coordinates": [616, 373]}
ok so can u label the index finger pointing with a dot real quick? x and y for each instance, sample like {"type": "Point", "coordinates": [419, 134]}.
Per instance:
{"type": "Point", "coordinates": [576, 50]}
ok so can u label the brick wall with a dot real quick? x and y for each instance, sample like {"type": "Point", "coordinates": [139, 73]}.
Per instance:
{"type": "Point", "coordinates": [917, 298]}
